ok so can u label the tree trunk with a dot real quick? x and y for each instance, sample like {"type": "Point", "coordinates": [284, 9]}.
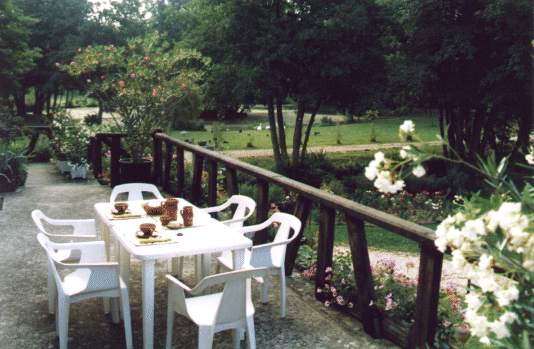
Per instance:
{"type": "Point", "coordinates": [442, 130]}
{"type": "Point", "coordinates": [308, 129]}
{"type": "Point", "coordinates": [281, 131]}
{"type": "Point", "coordinates": [297, 135]}
{"type": "Point", "coordinates": [100, 110]}
{"type": "Point", "coordinates": [525, 126]}
{"type": "Point", "coordinates": [40, 100]}
{"type": "Point", "coordinates": [274, 136]}
{"type": "Point", "coordinates": [20, 101]}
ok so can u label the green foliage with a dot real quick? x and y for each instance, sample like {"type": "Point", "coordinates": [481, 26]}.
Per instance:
{"type": "Point", "coordinates": [327, 121]}
{"type": "Point", "coordinates": [13, 171]}
{"type": "Point", "coordinates": [17, 57]}
{"type": "Point", "coordinates": [306, 257]}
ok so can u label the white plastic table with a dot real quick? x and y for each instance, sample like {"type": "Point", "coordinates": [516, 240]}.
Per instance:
{"type": "Point", "coordinates": [207, 236]}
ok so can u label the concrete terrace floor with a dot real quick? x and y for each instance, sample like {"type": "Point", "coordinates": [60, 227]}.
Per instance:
{"type": "Point", "coordinates": [24, 319]}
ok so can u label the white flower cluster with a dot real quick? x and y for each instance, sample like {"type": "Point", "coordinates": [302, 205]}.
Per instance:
{"type": "Point", "coordinates": [406, 129]}
{"type": "Point", "coordinates": [471, 237]}
{"type": "Point", "coordinates": [530, 156]}
{"type": "Point", "coordinates": [385, 180]}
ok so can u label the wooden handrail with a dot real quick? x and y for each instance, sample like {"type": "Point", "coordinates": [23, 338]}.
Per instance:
{"type": "Point", "coordinates": [384, 220]}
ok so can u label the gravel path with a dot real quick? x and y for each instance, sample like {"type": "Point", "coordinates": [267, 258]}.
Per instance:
{"type": "Point", "coordinates": [24, 319]}
{"type": "Point", "coordinates": [250, 153]}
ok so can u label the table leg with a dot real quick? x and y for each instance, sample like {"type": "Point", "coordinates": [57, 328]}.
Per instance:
{"type": "Point", "coordinates": [124, 263]}
{"type": "Point", "coordinates": [238, 260]}
{"type": "Point", "coordinates": [104, 235]}
{"type": "Point", "coordinates": [148, 304]}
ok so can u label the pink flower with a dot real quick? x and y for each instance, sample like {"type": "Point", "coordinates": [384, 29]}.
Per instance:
{"type": "Point", "coordinates": [88, 81]}
{"type": "Point", "coordinates": [319, 290]}
{"type": "Point", "coordinates": [132, 75]}
{"type": "Point", "coordinates": [122, 83]}
{"type": "Point", "coordinates": [350, 305]}
{"type": "Point", "coordinates": [146, 58]}
{"type": "Point", "coordinates": [328, 270]}
{"type": "Point", "coordinates": [340, 300]}
{"type": "Point", "coordinates": [327, 303]}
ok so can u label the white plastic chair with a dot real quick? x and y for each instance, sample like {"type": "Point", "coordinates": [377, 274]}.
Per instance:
{"type": "Point", "coordinates": [244, 210]}
{"type": "Point", "coordinates": [92, 277]}
{"type": "Point", "coordinates": [135, 191]}
{"type": "Point", "coordinates": [82, 230]}
{"type": "Point", "coordinates": [271, 255]}
{"type": "Point", "coordinates": [230, 309]}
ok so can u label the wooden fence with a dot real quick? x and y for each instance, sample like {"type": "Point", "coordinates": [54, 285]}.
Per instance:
{"type": "Point", "coordinates": [376, 323]}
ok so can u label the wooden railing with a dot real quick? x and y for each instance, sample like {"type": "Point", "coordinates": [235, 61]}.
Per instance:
{"type": "Point", "coordinates": [418, 334]}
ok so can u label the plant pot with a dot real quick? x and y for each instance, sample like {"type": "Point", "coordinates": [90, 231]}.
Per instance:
{"type": "Point", "coordinates": [7, 186]}
{"type": "Point", "coordinates": [135, 172]}
{"type": "Point", "coordinates": [63, 166]}
{"type": "Point", "coordinates": [78, 171]}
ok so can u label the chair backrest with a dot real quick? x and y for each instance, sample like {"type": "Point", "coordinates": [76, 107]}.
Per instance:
{"type": "Point", "coordinates": [287, 223]}
{"type": "Point", "coordinates": [38, 217]}
{"type": "Point", "coordinates": [245, 208]}
{"type": "Point", "coordinates": [135, 191]}
{"type": "Point", "coordinates": [235, 298]}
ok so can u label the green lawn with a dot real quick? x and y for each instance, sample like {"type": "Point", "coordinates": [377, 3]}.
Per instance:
{"type": "Point", "coordinates": [377, 238]}
{"type": "Point", "coordinates": [386, 131]}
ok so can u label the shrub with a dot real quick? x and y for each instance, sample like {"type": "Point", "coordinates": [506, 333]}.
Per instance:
{"type": "Point", "coordinates": [13, 171]}
{"type": "Point", "coordinates": [92, 119]}
{"type": "Point", "coordinates": [188, 124]}
{"type": "Point", "coordinates": [327, 121]}
{"type": "Point", "coordinates": [42, 152]}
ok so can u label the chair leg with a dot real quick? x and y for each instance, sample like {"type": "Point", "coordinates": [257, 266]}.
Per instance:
{"type": "Point", "coordinates": [52, 292]}
{"type": "Point", "coordinates": [170, 321]}
{"type": "Point", "coordinates": [282, 292]}
{"type": "Point", "coordinates": [236, 337]}
{"type": "Point", "coordinates": [115, 314]}
{"type": "Point", "coordinates": [251, 333]}
{"type": "Point", "coordinates": [205, 337]}
{"type": "Point", "coordinates": [125, 306]}
{"type": "Point", "coordinates": [265, 288]}
{"type": "Point", "coordinates": [63, 323]}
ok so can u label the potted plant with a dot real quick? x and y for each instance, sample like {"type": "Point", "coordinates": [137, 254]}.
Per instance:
{"type": "Point", "coordinates": [13, 170]}
{"type": "Point", "coordinates": [143, 82]}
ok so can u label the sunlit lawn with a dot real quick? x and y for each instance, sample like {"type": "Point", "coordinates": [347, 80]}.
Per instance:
{"type": "Point", "coordinates": [386, 131]}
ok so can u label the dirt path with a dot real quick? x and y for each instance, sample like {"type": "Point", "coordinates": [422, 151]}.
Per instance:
{"type": "Point", "coordinates": [250, 153]}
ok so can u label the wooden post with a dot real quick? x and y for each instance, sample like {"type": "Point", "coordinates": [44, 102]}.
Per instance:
{"type": "Point", "coordinates": [212, 183]}
{"type": "Point", "coordinates": [325, 249]}
{"type": "Point", "coordinates": [196, 185]}
{"type": "Point", "coordinates": [168, 163]}
{"type": "Point", "coordinates": [363, 275]}
{"type": "Point", "coordinates": [157, 158]}
{"type": "Point", "coordinates": [426, 308]}
{"type": "Point", "coordinates": [262, 209]}
{"type": "Point", "coordinates": [96, 159]}
{"type": "Point", "coordinates": [115, 156]}
{"type": "Point", "coordinates": [232, 187]}
{"type": "Point", "coordinates": [302, 212]}
{"type": "Point", "coordinates": [180, 172]}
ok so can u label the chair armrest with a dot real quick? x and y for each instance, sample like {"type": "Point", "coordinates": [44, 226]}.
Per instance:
{"type": "Point", "coordinates": [80, 226]}
{"type": "Point", "coordinates": [255, 227]}
{"type": "Point", "coordinates": [217, 279]}
{"type": "Point", "coordinates": [178, 283]}
{"type": "Point", "coordinates": [261, 255]}
{"type": "Point", "coordinates": [81, 237]}
{"type": "Point", "coordinates": [91, 251]}
{"type": "Point", "coordinates": [217, 208]}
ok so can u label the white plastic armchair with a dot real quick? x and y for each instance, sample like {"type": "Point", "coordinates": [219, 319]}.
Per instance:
{"type": "Point", "coordinates": [270, 255]}
{"type": "Point", "coordinates": [245, 208]}
{"type": "Point", "coordinates": [135, 191]}
{"type": "Point", "coordinates": [230, 309]}
{"type": "Point", "coordinates": [92, 277]}
{"type": "Point", "coordinates": [82, 230]}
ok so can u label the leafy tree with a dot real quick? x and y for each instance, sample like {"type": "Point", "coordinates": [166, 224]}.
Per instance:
{"type": "Point", "coordinates": [477, 70]}
{"type": "Point", "coordinates": [313, 51]}
{"type": "Point", "coordinates": [16, 55]}
{"type": "Point", "coordinates": [57, 34]}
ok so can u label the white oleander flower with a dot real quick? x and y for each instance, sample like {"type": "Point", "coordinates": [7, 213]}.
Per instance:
{"type": "Point", "coordinates": [371, 171]}
{"type": "Point", "coordinates": [499, 328]}
{"type": "Point", "coordinates": [487, 282]}
{"type": "Point", "coordinates": [473, 229]}
{"type": "Point", "coordinates": [458, 259]}
{"type": "Point", "coordinates": [419, 171]}
{"type": "Point", "coordinates": [473, 301]}
{"type": "Point", "coordinates": [506, 296]}
{"type": "Point", "coordinates": [485, 261]}
{"type": "Point", "coordinates": [404, 151]}
{"type": "Point", "coordinates": [407, 127]}
{"type": "Point", "coordinates": [530, 158]}
{"type": "Point", "coordinates": [441, 244]}
{"type": "Point", "coordinates": [379, 157]}
{"type": "Point", "coordinates": [386, 183]}
{"type": "Point", "coordinates": [508, 317]}
{"type": "Point", "coordinates": [485, 340]}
